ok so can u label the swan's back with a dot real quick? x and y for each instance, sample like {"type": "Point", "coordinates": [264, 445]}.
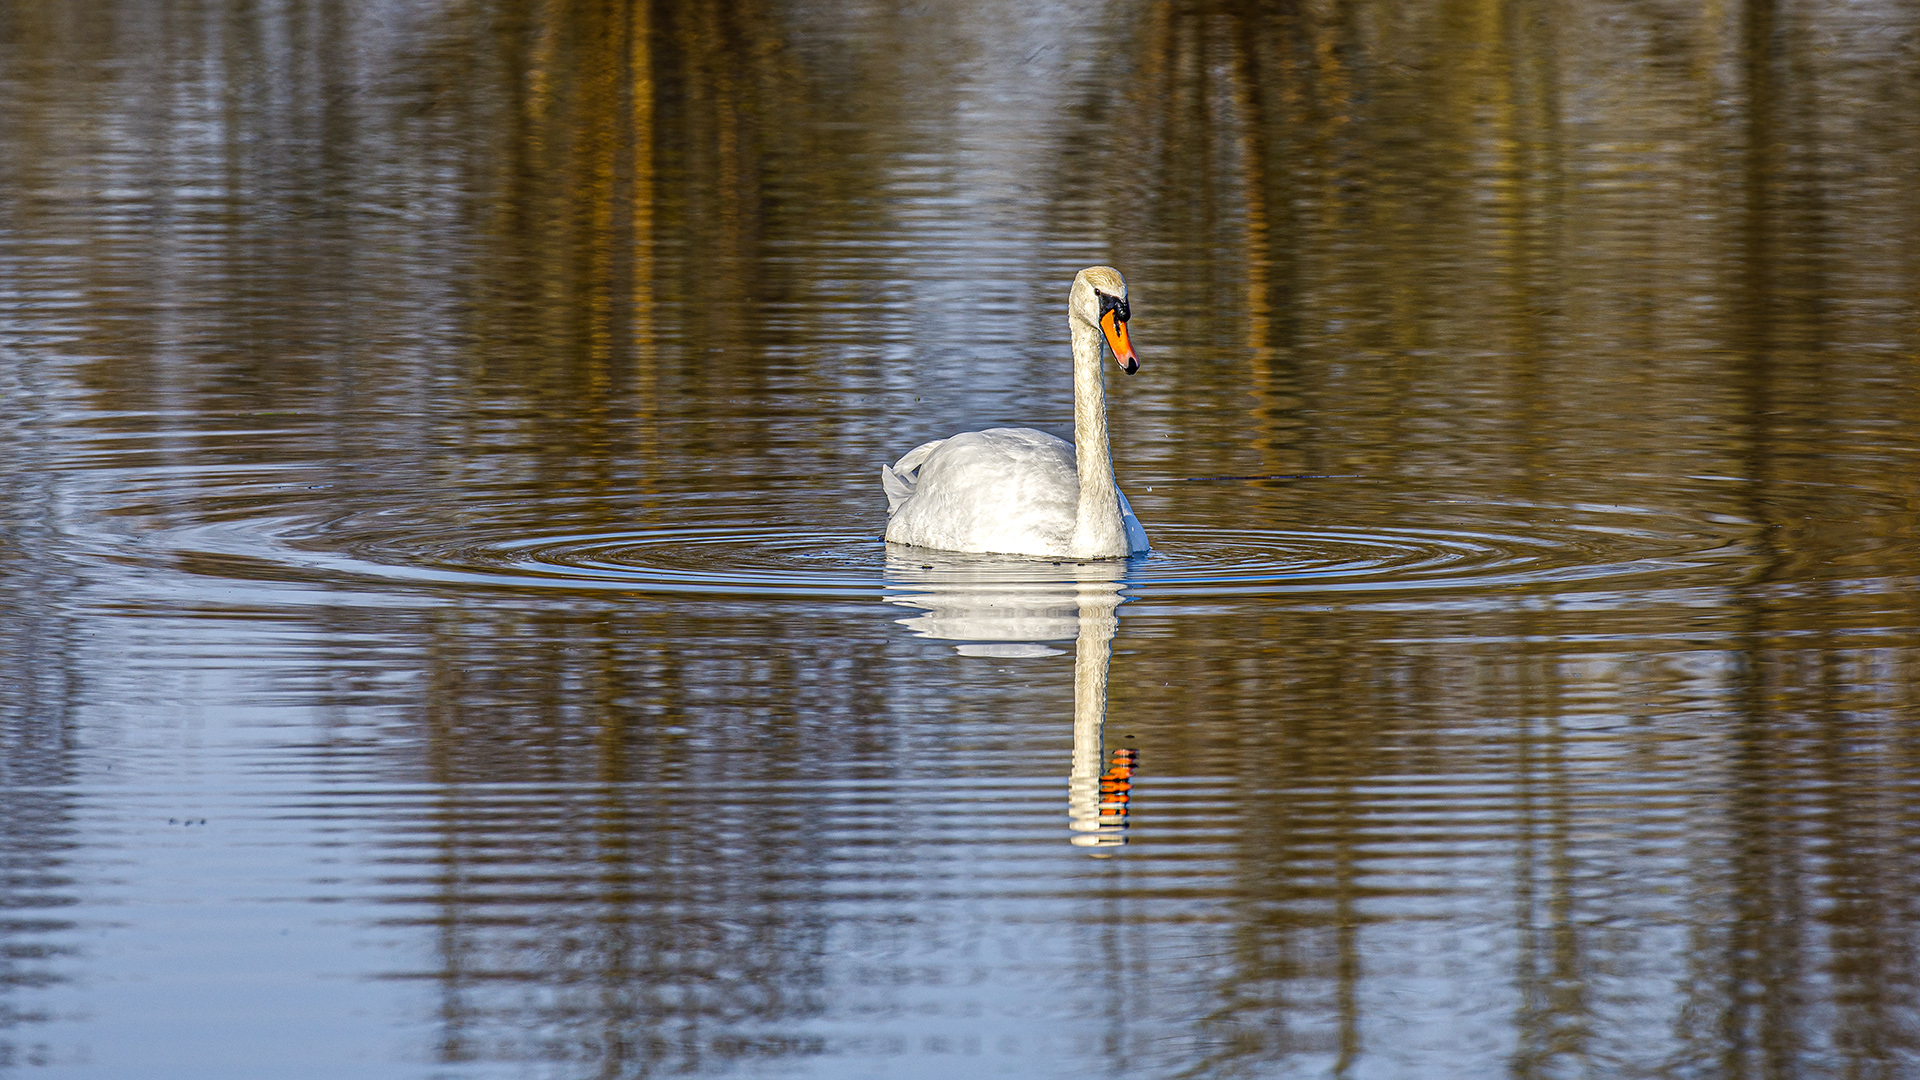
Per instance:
{"type": "Point", "coordinates": [1010, 490]}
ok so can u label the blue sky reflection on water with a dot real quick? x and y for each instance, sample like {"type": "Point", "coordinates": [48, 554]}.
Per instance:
{"type": "Point", "coordinates": [446, 631]}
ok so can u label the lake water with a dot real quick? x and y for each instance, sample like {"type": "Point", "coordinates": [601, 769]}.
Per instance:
{"type": "Point", "coordinates": [447, 634]}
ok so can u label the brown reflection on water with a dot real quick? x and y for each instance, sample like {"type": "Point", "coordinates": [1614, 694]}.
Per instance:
{"type": "Point", "coordinates": [1641, 264]}
{"type": "Point", "coordinates": [1610, 255]}
{"type": "Point", "coordinates": [621, 862]}
{"type": "Point", "coordinates": [630, 129]}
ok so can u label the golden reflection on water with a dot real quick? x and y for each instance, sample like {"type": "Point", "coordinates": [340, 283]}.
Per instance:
{"type": "Point", "coordinates": [403, 286]}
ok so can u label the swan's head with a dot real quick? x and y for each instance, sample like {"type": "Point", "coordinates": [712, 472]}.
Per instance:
{"type": "Point", "coordinates": [1099, 299]}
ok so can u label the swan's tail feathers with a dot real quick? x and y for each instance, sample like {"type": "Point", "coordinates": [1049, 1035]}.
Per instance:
{"type": "Point", "coordinates": [898, 488]}
{"type": "Point", "coordinates": [902, 476]}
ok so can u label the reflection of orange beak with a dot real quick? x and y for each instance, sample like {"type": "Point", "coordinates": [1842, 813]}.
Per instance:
{"type": "Point", "coordinates": [1116, 332]}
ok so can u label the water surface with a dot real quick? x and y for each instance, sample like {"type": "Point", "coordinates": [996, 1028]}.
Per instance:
{"type": "Point", "coordinates": [446, 630]}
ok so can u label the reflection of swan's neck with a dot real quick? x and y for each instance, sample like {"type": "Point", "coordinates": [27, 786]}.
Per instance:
{"type": "Point", "coordinates": [974, 599]}
{"type": "Point", "coordinates": [1092, 654]}
{"type": "Point", "coordinates": [1097, 532]}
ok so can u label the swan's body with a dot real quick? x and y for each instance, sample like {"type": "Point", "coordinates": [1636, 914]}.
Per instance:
{"type": "Point", "coordinates": [1018, 491]}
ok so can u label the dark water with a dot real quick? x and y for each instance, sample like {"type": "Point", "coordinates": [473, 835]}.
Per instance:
{"type": "Point", "coordinates": [446, 633]}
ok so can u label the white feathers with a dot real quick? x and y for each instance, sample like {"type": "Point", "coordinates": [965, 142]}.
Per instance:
{"type": "Point", "coordinates": [1007, 490]}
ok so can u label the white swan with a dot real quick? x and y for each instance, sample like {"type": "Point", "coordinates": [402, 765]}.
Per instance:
{"type": "Point", "coordinates": [1018, 491]}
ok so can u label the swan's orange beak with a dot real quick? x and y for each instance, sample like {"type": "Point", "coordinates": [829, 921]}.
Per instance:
{"type": "Point", "coordinates": [1116, 332]}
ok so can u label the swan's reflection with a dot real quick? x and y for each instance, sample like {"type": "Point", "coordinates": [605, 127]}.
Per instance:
{"type": "Point", "coordinates": [1005, 606]}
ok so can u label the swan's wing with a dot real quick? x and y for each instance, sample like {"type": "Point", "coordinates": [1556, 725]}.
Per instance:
{"type": "Point", "coordinates": [1003, 490]}
{"type": "Point", "coordinates": [1136, 532]}
{"type": "Point", "coordinates": [899, 479]}
{"type": "Point", "coordinates": [912, 459]}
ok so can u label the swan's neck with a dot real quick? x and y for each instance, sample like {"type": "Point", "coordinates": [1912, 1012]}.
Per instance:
{"type": "Point", "coordinates": [1097, 530]}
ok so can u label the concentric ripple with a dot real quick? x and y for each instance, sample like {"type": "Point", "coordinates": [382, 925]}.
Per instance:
{"type": "Point", "coordinates": [1260, 561]}
{"type": "Point", "coordinates": [741, 559]}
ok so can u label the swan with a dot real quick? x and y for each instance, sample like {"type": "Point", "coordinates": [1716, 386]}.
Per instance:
{"type": "Point", "coordinates": [1017, 491]}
